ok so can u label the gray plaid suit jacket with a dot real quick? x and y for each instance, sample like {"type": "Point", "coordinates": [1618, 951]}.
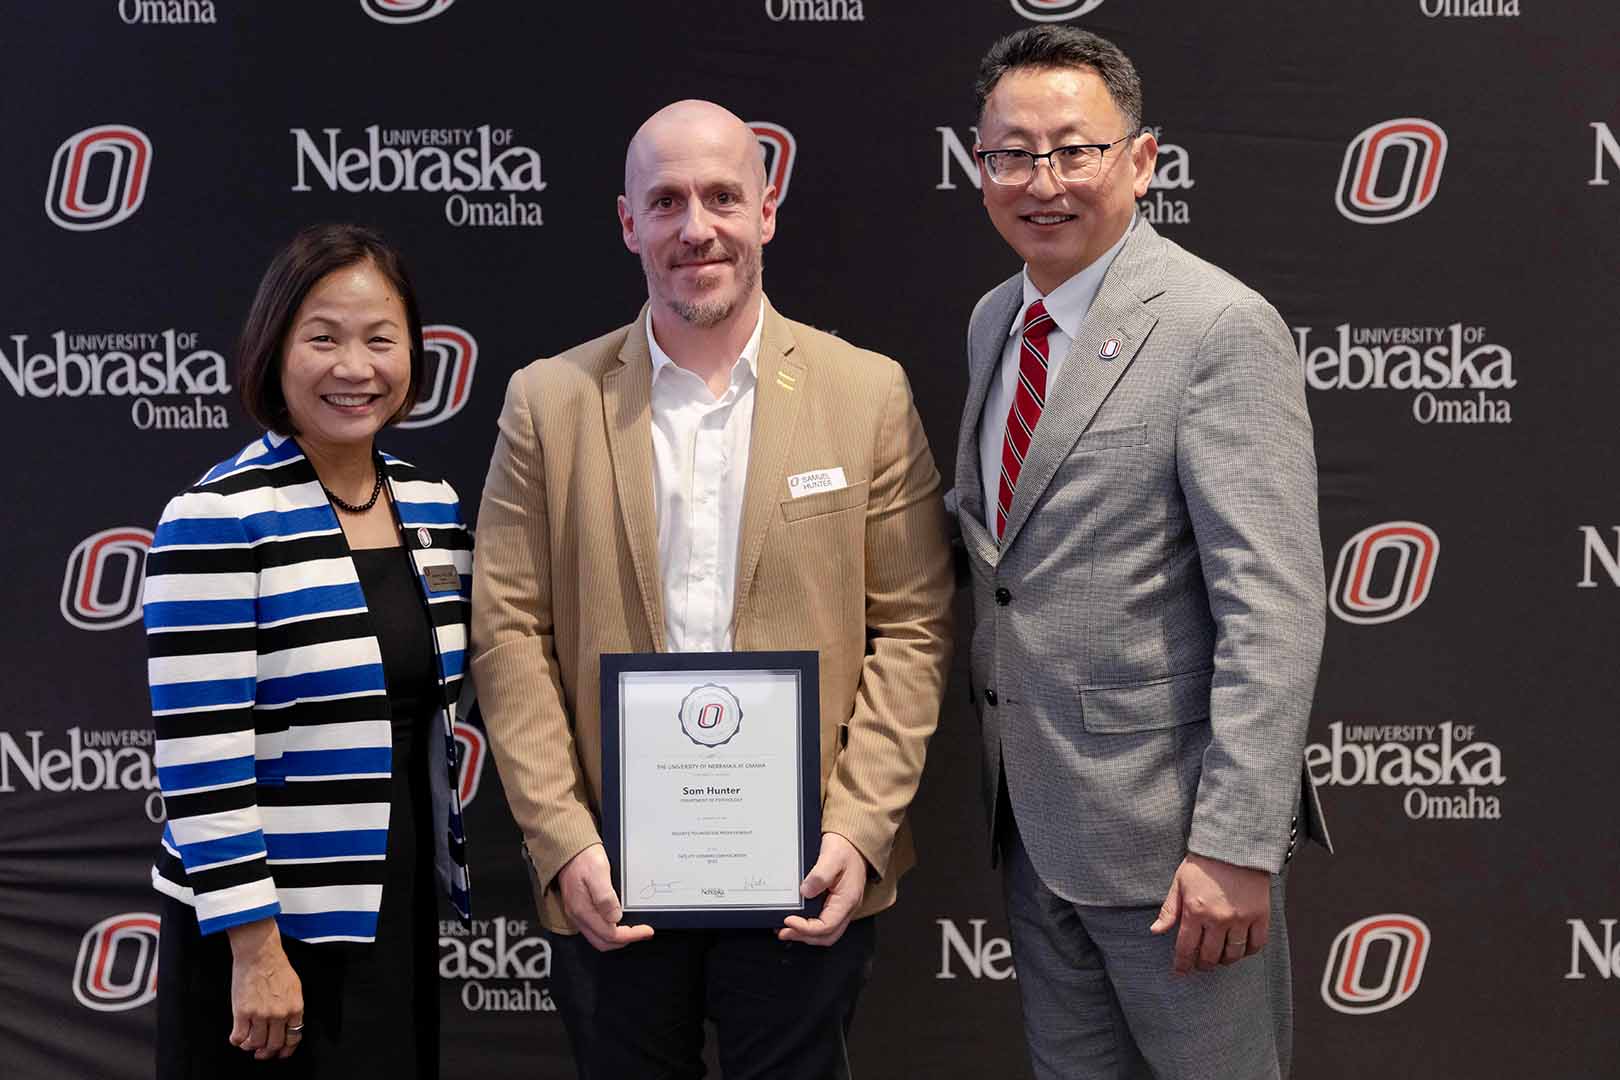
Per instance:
{"type": "Point", "coordinates": [1147, 633]}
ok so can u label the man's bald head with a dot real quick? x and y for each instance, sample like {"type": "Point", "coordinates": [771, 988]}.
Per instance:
{"type": "Point", "coordinates": [688, 128]}
{"type": "Point", "coordinates": [698, 211]}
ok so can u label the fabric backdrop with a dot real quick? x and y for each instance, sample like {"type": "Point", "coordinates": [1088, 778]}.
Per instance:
{"type": "Point", "coordinates": [1428, 190]}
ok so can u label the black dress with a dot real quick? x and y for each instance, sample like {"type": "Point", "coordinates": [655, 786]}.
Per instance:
{"type": "Point", "coordinates": [370, 1010]}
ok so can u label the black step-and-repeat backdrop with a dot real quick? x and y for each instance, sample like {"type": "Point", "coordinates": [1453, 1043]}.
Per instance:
{"type": "Point", "coordinates": [1429, 191]}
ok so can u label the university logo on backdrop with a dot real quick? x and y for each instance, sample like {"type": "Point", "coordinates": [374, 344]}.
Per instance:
{"type": "Point", "coordinates": [166, 12]}
{"type": "Point", "coordinates": [1595, 550]}
{"type": "Point", "coordinates": [471, 753]}
{"type": "Point", "coordinates": [145, 366]}
{"type": "Point", "coordinates": [102, 587]}
{"type": "Point", "coordinates": [1605, 148]}
{"type": "Point", "coordinates": [502, 965]}
{"type": "Point", "coordinates": [1468, 9]}
{"type": "Point", "coordinates": [404, 11]}
{"type": "Point", "coordinates": [1442, 771]}
{"type": "Point", "coordinates": [1400, 554]}
{"type": "Point", "coordinates": [1163, 205]}
{"type": "Point", "coordinates": [98, 177]}
{"type": "Point", "coordinates": [83, 760]}
{"type": "Point", "coordinates": [1391, 171]}
{"type": "Point", "coordinates": [452, 356]}
{"type": "Point", "coordinates": [1054, 10]}
{"type": "Point", "coordinates": [980, 956]}
{"type": "Point", "coordinates": [1588, 954]}
{"type": "Point", "coordinates": [1375, 964]}
{"type": "Point", "coordinates": [117, 966]}
{"type": "Point", "coordinates": [780, 149]}
{"type": "Point", "coordinates": [1452, 374]}
{"type": "Point", "coordinates": [815, 10]}
{"type": "Point", "coordinates": [472, 167]}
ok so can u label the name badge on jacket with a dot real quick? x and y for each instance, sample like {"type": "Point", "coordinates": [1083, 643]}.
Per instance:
{"type": "Point", "coordinates": [817, 480]}
{"type": "Point", "coordinates": [443, 578]}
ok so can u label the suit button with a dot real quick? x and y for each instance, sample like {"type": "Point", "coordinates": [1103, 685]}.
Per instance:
{"type": "Point", "coordinates": [1003, 597]}
{"type": "Point", "coordinates": [989, 696]}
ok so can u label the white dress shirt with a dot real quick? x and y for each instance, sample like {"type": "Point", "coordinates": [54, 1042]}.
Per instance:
{"type": "Point", "coordinates": [700, 464]}
{"type": "Point", "coordinates": [1068, 304]}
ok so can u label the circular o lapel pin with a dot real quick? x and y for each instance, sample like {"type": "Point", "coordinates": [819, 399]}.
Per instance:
{"type": "Point", "coordinates": [1110, 349]}
{"type": "Point", "coordinates": [424, 537]}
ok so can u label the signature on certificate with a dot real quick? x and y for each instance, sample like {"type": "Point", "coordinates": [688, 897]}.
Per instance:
{"type": "Point", "coordinates": [756, 884]}
{"type": "Point", "coordinates": [658, 888]}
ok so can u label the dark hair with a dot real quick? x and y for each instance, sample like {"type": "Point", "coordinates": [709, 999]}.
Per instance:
{"type": "Point", "coordinates": [316, 251]}
{"type": "Point", "coordinates": [1046, 47]}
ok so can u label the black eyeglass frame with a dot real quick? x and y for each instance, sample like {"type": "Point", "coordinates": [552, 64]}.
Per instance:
{"type": "Point", "coordinates": [1035, 159]}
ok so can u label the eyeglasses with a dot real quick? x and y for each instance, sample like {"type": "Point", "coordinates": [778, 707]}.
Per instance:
{"type": "Point", "coordinates": [1070, 164]}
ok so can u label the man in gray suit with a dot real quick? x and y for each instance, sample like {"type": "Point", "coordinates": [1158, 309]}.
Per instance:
{"type": "Point", "coordinates": [1136, 490]}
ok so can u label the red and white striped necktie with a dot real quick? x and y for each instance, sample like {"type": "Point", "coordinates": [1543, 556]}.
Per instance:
{"type": "Point", "coordinates": [1028, 401]}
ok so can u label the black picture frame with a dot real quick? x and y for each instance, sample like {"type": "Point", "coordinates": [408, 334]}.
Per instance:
{"type": "Point", "coordinates": [721, 915]}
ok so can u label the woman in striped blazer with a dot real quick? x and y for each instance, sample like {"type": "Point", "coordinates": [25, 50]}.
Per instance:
{"type": "Point", "coordinates": [306, 615]}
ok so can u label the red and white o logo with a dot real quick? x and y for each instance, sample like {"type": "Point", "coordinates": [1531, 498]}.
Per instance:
{"type": "Point", "coordinates": [470, 760]}
{"type": "Point", "coordinates": [404, 11]}
{"type": "Point", "coordinates": [1375, 963]}
{"type": "Point", "coordinates": [780, 149]}
{"type": "Point", "coordinates": [98, 177]}
{"type": "Point", "coordinates": [1400, 554]}
{"type": "Point", "coordinates": [1391, 171]}
{"type": "Point", "coordinates": [711, 715]}
{"type": "Point", "coordinates": [1054, 10]}
{"type": "Point", "coordinates": [102, 587]}
{"type": "Point", "coordinates": [118, 960]}
{"type": "Point", "coordinates": [452, 357]}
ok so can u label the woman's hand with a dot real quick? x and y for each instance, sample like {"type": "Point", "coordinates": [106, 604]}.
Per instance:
{"type": "Point", "coordinates": [267, 1000]}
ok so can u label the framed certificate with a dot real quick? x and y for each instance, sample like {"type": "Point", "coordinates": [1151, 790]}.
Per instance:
{"type": "Point", "coordinates": [711, 785]}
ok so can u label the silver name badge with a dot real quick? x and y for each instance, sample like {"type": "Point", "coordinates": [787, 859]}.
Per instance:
{"type": "Point", "coordinates": [443, 579]}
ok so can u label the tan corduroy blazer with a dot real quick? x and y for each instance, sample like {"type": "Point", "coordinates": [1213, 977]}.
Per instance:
{"type": "Point", "coordinates": [567, 570]}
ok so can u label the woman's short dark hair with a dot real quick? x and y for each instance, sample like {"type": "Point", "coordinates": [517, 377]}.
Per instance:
{"type": "Point", "coordinates": [316, 251]}
{"type": "Point", "coordinates": [1049, 47]}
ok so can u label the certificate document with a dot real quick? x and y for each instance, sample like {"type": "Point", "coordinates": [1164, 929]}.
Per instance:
{"type": "Point", "coordinates": [711, 785]}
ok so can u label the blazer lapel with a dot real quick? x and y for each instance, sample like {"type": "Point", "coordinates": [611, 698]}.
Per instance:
{"type": "Point", "coordinates": [1088, 377]}
{"type": "Point", "coordinates": [778, 394]}
{"type": "Point", "coordinates": [987, 339]}
{"type": "Point", "coordinates": [627, 410]}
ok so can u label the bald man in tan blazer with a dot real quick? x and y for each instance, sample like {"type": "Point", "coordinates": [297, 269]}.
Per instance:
{"type": "Point", "coordinates": [574, 559]}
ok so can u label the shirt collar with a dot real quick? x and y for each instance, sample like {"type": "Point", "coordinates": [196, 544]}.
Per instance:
{"type": "Point", "coordinates": [750, 353]}
{"type": "Point", "coordinates": [1070, 302]}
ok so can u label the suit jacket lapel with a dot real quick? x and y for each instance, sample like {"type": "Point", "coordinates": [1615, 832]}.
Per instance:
{"type": "Point", "coordinates": [988, 338]}
{"type": "Point", "coordinates": [627, 410]}
{"type": "Point", "coordinates": [778, 394]}
{"type": "Point", "coordinates": [1086, 379]}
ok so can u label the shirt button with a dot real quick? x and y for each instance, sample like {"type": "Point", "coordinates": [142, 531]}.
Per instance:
{"type": "Point", "coordinates": [989, 696]}
{"type": "Point", "coordinates": [1003, 597]}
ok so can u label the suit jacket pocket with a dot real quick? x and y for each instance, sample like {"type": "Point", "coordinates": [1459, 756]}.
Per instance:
{"type": "Point", "coordinates": [825, 502]}
{"type": "Point", "coordinates": [1160, 703]}
{"type": "Point", "coordinates": [1114, 438]}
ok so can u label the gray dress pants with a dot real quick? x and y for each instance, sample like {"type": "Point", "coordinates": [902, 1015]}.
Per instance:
{"type": "Point", "coordinates": [1101, 1003]}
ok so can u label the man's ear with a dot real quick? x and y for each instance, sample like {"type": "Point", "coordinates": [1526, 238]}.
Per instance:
{"type": "Point", "coordinates": [627, 223]}
{"type": "Point", "coordinates": [1144, 155]}
{"type": "Point", "coordinates": [767, 213]}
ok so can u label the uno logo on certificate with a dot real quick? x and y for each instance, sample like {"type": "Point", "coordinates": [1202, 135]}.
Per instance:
{"type": "Point", "coordinates": [711, 715]}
